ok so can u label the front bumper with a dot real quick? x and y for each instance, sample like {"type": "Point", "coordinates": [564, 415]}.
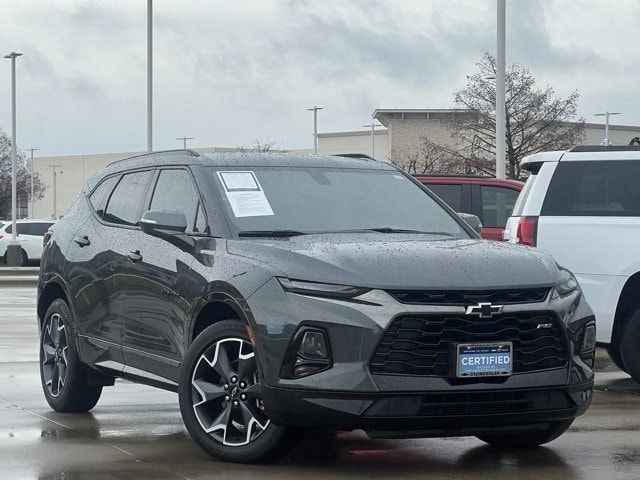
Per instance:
{"type": "Point", "coordinates": [428, 414]}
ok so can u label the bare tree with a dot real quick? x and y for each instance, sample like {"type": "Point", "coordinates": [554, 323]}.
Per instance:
{"type": "Point", "coordinates": [260, 146]}
{"type": "Point", "coordinates": [23, 177]}
{"type": "Point", "coordinates": [428, 158]}
{"type": "Point", "coordinates": [537, 120]}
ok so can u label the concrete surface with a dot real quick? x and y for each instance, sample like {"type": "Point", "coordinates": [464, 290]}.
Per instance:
{"type": "Point", "coordinates": [135, 432]}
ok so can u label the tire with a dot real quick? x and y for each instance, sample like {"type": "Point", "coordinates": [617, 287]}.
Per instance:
{"type": "Point", "coordinates": [69, 389]}
{"type": "Point", "coordinates": [614, 355]}
{"type": "Point", "coordinates": [213, 367]}
{"type": "Point", "coordinates": [24, 259]}
{"type": "Point", "coordinates": [630, 344]}
{"type": "Point", "coordinates": [527, 438]}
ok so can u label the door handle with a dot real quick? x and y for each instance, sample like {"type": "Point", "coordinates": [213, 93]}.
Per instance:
{"type": "Point", "coordinates": [134, 257]}
{"type": "Point", "coordinates": [82, 241]}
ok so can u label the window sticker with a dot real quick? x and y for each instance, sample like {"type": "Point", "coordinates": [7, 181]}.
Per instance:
{"type": "Point", "coordinates": [245, 194]}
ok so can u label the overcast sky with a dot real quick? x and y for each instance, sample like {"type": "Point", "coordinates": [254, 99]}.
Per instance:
{"type": "Point", "coordinates": [230, 72]}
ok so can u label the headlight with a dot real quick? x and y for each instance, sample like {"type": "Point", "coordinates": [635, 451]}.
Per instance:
{"type": "Point", "coordinates": [570, 285]}
{"type": "Point", "coordinates": [321, 289]}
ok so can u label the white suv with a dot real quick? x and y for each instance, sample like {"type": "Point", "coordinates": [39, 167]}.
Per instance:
{"type": "Point", "coordinates": [583, 207]}
{"type": "Point", "coordinates": [30, 236]}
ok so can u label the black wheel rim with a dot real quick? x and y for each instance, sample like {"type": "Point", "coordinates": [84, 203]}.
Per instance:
{"type": "Point", "coordinates": [226, 393]}
{"type": "Point", "coordinates": [54, 349]}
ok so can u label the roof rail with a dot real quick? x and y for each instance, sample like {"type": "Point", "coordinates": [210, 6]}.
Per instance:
{"type": "Point", "coordinates": [354, 155]}
{"type": "Point", "coordinates": [606, 148]}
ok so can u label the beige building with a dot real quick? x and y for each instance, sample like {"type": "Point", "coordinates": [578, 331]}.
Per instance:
{"type": "Point", "coordinates": [404, 129]}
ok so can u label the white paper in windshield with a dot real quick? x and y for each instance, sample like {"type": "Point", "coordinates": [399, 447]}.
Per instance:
{"type": "Point", "coordinates": [245, 194]}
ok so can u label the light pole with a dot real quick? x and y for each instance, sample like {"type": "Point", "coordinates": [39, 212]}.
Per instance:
{"type": "Point", "coordinates": [32, 169]}
{"type": "Point", "coordinates": [184, 141]}
{"type": "Point", "coordinates": [373, 127]}
{"type": "Point", "coordinates": [501, 113]}
{"type": "Point", "coordinates": [606, 142]}
{"type": "Point", "coordinates": [150, 75]}
{"type": "Point", "coordinates": [315, 109]}
{"type": "Point", "coordinates": [55, 191]}
{"type": "Point", "coordinates": [13, 249]}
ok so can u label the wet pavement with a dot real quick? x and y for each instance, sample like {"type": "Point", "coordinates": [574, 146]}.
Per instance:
{"type": "Point", "coordinates": [135, 432]}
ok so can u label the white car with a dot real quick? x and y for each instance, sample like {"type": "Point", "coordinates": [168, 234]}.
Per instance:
{"type": "Point", "coordinates": [30, 235]}
{"type": "Point", "coordinates": [583, 207]}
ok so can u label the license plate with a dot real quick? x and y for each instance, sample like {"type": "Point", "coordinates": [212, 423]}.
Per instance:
{"type": "Point", "coordinates": [484, 359]}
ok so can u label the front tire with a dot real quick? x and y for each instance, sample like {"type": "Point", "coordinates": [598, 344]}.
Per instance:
{"type": "Point", "coordinates": [527, 438]}
{"type": "Point", "coordinates": [630, 344]}
{"type": "Point", "coordinates": [221, 402]}
{"type": "Point", "coordinates": [64, 379]}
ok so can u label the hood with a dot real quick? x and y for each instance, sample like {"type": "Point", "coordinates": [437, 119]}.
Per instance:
{"type": "Point", "coordinates": [386, 261]}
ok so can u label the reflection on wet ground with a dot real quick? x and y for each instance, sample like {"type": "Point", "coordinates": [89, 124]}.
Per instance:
{"type": "Point", "coordinates": [135, 432]}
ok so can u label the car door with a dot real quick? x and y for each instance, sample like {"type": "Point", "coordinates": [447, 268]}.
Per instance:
{"type": "Point", "coordinates": [157, 281]}
{"type": "Point", "coordinates": [96, 266]}
{"type": "Point", "coordinates": [493, 204]}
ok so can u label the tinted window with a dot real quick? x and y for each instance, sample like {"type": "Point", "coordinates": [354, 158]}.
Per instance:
{"type": "Point", "coordinates": [328, 199]}
{"type": "Point", "coordinates": [450, 194]}
{"type": "Point", "coordinates": [497, 204]}
{"type": "Point", "coordinates": [37, 229]}
{"type": "Point", "coordinates": [606, 188]}
{"type": "Point", "coordinates": [175, 191]}
{"type": "Point", "coordinates": [20, 228]}
{"type": "Point", "coordinates": [125, 203]}
{"type": "Point", "coordinates": [100, 195]}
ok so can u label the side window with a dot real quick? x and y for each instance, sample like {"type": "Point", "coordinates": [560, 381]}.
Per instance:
{"type": "Point", "coordinates": [497, 204]}
{"type": "Point", "coordinates": [175, 191]}
{"type": "Point", "coordinates": [201, 222]}
{"type": "Point", "coordinates": [40, 229]}
{"type": "Point", "coordinates": [596, 188]}
{"type": "Point", "coordinates": [125, 203]}
{"type": "Point", "coordinates": [450, 194]}
{"type": "Point", "coordinates": [100, 195]}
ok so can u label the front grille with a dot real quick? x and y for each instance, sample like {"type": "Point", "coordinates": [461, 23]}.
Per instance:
{"type": "Point", "coordinates": [469, 297]}
{"type": "Point", "coordinates": [470, 403]}
{"type": "Point", "coordinates": [422, 344]}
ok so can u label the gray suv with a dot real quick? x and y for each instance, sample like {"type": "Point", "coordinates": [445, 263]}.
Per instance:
{"type": "Point", "coordinates": [275, 293]}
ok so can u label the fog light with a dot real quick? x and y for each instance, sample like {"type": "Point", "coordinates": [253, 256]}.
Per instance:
{"type": "Point", "coordinates": [589, 338]}
{"type": "Point", "coordinates": [313, 345]}
{"type": "Point", "coordinates": [308, 353]}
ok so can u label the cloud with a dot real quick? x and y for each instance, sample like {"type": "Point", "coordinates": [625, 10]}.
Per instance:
{"type": "Point", "coordinates": [230, 72]}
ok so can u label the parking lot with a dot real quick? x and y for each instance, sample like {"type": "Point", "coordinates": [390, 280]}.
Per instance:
{"type": "Point", "coordinates": [136, 432]}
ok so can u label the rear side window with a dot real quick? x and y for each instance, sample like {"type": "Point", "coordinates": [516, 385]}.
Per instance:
{"type": "Point", "coordinates": [175, 191]}
{"type": "Point", "coordinates": [497, 205]}
{"type": "Point", "coordinates": [36, 229]}
{"type": "Point", "coordinates": [20, 228]}
{"type": "Point", "coordinates": [100, 195]}
{"type": "Point", "coordinates": [524, 194]}
{"type": "Point", "coordinates": [594, 188]}
{"type": "Point", "coordinates": [125, 204]}
{"type": "Point", "coordinates": [450, 194]}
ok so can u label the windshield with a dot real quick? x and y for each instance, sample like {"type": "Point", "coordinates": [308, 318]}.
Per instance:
{"type": "Point", "coordinates": [315, 200]}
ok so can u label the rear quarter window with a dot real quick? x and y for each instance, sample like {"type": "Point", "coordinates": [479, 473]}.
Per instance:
{"type": "Point", "coordinates": [594, 188]}
{"type": "Point", "coordinates": [450, 194]}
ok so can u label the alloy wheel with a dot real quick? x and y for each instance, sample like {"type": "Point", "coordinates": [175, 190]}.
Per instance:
{"type": "Point", "coordinates": [54, 348]}
{"type": "Point", "coordinates": [226, 393]}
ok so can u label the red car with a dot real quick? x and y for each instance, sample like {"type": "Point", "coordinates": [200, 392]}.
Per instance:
{"type": "Point", "coordinates": [489, 198]}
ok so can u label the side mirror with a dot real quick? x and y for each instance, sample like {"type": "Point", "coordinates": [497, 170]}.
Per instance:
{"type": "Point", "coordinates": [472, 220]}
{"type": "Point", "coordinates": [169, 225]}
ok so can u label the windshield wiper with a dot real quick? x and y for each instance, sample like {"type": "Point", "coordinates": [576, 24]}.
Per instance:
{"type": "Point", "coordinates": [403, 230]}
{"type": "Point", "coordinates": [271, 233]}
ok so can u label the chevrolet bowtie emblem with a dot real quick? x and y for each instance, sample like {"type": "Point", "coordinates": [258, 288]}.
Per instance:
{"type": "Point", "coordinates": [484, 310]}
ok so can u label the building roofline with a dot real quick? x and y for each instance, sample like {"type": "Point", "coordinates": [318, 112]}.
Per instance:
{"type": "Point", "coordinates": [352, 133]}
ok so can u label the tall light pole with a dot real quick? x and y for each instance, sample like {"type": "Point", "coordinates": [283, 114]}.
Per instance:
{"type": "Point", "coordinates": [373, 127]}
{"type": "Point", "coordinates": [32, 169]}
{"type": "Point", "coordinates": [501, 113]}
{"type": "Point", "coordinates": [149, 75]}
{"type": "Point", "coordinates": [55, 191]}
{"type": "Point", "coordinates": [13, 249]}
{"type": "Point", "coordinates": [315, 109]}
{"type": "Point", "coordinates": [184, 141]}
{"type": "Point", "coordinates": [606, 142]}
